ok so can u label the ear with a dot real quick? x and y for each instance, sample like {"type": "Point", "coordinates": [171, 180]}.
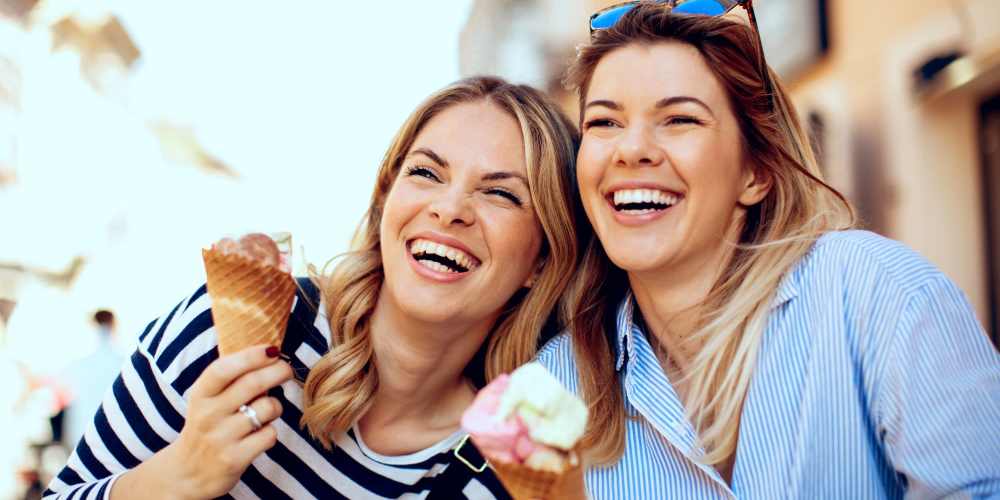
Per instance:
{"type": "Point", "coordinates": [530, 282]}
{"type": "Point", "coordinates": [757, 182]}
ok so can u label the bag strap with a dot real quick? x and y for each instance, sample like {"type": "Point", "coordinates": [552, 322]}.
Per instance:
{"type": "Point", "coordinates": [464, 463]}
{"type": "Point", "coordinates": [309, 289]}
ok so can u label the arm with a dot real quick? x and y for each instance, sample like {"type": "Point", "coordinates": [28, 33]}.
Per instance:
{"type": "Point", "coordinates": [940, 407]}
{"type": "Point", "coordinates": [140, 415]}
{"type": "Point", "coordinates": [217, 443]}
{"type": "Point", "coordinates": [145, 434]}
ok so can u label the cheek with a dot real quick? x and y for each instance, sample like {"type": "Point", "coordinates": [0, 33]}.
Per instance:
{"type": "Point", "coordinates": [514, 240]}
{"type": "Point", "coordinates": [590, 165]}
{"type": "Point", "coordinates": [400, 203]}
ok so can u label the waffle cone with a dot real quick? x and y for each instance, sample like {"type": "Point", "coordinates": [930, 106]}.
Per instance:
{"type": "Point", "coordinates": [525, 483]}
{"type": "Point", "coordinates": [251, 301]}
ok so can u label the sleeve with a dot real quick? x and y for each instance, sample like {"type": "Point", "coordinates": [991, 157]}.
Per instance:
{"type": "Point", "coordinates": [941, 407]}
{"type": "Point", "coordinates": [485, 487]}
{"type": "Point", "coordinates": [144, 409]}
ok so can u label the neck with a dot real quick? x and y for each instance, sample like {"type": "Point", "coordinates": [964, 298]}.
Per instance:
{"type": "Point", "coordinates": [671, 298]}
{"type": "Point", "coordinates": [420, 367]}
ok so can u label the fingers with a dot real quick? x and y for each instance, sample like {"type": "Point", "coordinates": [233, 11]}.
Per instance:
{"type": "Point", "coordinates": [223, 371]}
{"type": "Point", "coordinates": [256, 443]}
{"type": "Point", "coordinates": [252, 384]}
{"type": "Point", "coordinates": [239, 425]}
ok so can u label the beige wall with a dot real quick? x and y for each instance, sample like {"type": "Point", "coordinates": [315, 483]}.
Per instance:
{"type": "Point", "coordinates": [927, 150]}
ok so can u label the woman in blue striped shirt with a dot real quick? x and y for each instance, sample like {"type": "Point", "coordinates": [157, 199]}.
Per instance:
{"type": "Point", "coordinates": [465, 250]}
{"type": "Point", "coordinates": [732, 336]}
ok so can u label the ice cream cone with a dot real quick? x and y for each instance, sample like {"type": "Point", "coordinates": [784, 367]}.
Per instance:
{"type": "Point", "coordinates": [525, 483]}
{"type": "Point", "coordinates": [250, 300]}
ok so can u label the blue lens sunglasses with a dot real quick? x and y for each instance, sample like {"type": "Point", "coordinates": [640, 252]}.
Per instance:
{"type": "Point", "coordinates": [606, 18]}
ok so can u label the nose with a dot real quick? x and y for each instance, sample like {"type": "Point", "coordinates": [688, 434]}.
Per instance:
{"type": "Point", "coordinates": [453, 207]}
{"type": "Point", "coordinates": [638, 148]}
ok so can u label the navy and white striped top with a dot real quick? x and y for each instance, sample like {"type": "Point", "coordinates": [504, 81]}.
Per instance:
{"type": "Point", "coordinates": [145, 408]}
{"type": "Point", "coordinates": [874, 380]}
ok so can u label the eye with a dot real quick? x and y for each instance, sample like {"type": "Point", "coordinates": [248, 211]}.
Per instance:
{"type": "Point", "coordinates": [422, 172]}
{"type": "Point", "coordinates": [513, 198]}
{"type": "Point", "coordinates": [683, 120]}
{"type": "Point", "coordinates": [598, 122]}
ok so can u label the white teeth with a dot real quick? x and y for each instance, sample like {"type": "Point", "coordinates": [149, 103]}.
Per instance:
{"type": "Point", "coordinates": [422, 246]}
{"type": "Point", "coordinates": [436, 266]}
{"type": "Point", "coordinates": [626, 196]}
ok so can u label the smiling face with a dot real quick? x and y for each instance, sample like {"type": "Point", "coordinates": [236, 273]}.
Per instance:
{"type": "Point", "coordinates": [661, 171]}
{"type": "Point", "coordinates": [459, 235]}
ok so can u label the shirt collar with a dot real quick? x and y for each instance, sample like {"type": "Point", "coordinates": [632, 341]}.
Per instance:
{"type": "Point", "coordinates": [627, 328]}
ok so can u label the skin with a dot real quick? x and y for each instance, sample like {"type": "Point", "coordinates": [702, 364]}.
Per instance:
{"type": "Point", "coordinates": [459, 180]}
{"type": "Point", "coordinates": [217, 443]}
{"type": "Point", "coordinates": [425, 328]}
{"type": "Point", "coordinates": [657, 117]}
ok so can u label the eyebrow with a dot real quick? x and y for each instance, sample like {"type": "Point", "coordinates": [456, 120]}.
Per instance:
{"type": "Point", "coordinates": [670, 101]}
{"type": "Point", "coordinates": [430, 154]}
{"type": "Point", "coordinates": [604, 103]}
{"type": "Point", "coordinates": [499, 176]}
{"type": "Point", "coordinates": [492, 176]}
{"type": "Point", "coordinates": [662, 103]}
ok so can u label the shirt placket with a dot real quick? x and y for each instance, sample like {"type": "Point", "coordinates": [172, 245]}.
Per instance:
{"type": "Point", "coordinates": [653, 396]}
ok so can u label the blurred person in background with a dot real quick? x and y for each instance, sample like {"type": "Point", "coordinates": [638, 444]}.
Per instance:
{"type": "Point", "coordinates": [467, 245]}
{"type": "Point", "coordinates": [732, 336]}
{"type": "Point", "coordinates": [90, 377]}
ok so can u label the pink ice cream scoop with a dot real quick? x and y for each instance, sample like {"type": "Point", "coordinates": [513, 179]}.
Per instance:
{"type": "Point", "coordinates": [526, 417]}
{"type": "Point", "coordinates": [506, 440]}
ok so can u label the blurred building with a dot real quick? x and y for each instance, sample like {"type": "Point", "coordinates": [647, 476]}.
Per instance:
{"type": "Point", "coordinates": [902, 97]}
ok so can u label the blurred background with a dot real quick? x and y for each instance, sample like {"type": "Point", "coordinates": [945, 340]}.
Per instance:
{"type": "Point", "coordinates": [132, 134]}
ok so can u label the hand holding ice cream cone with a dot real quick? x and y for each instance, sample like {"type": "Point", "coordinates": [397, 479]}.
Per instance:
{"type": "Point", "coordinates": [528, 427]}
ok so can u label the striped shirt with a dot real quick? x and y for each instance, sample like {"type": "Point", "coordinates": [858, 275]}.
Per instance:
{"type": "Point", "coordinates": [144, 411]}
{"type": "Point", "coordinates": [874, 380]}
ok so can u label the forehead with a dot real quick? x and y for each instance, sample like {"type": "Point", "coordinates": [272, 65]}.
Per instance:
{"type": "Point", "coordinates": [477, 134]}
{"type": "Point", "coordinates": [642, 74]}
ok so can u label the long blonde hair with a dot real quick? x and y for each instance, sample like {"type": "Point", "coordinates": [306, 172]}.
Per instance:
{"type": "Point", "coordinates": [777, 233]}
{"type": "Point", "coordinates": [341, 385]}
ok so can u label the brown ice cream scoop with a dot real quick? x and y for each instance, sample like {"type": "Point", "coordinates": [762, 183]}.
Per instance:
{"type": "Point", "coordinates": [251, 291]}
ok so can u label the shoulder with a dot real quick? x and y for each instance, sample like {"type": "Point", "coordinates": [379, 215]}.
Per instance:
{"type": "Point", "coordinates": [182, 343]}
{"type": "Point", "coordinates": [558, 358]}
{"type": "Point", "coordinates": [859, 259]}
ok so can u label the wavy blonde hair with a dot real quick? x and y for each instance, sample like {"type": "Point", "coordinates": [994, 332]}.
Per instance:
{"type": "Point", "coordinates": [341, 386]}
{"type": "Point", "coordinates": [776, 234]}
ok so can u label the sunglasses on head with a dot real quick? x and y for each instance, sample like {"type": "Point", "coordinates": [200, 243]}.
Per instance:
{"type": "Point", "coordinates": [607, 17]}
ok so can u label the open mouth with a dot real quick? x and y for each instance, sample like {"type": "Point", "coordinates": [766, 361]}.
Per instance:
{"type": "Point", "coordinates": [442, 258]}
{"type": "Point", "coordinates": [642, 201]}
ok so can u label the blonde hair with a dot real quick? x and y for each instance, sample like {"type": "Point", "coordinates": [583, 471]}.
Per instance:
{"type": "Point", "coordinates": [341, 386]}
{"type": "Point", "coordinates": [776, 234]}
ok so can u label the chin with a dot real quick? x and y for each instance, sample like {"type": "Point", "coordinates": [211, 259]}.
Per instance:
{"type": "Point", "coordinates": [631, 263]}
{"type": "Point", "coordinates": [640, 253]}
{"type": "Point", "coordinates": [423, 305]}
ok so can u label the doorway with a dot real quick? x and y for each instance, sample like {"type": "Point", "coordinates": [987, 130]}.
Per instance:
{"type": "Point", "coordinates": [989, 144]}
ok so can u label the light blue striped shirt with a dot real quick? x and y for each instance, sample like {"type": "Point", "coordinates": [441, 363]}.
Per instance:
{"type": "Point", "coordinates": [874, 380]}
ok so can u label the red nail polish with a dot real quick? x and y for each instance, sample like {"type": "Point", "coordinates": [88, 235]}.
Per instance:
{"type": "Point", "coordinates": [272, 352]}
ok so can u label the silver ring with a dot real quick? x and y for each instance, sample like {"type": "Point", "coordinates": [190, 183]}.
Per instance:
{"type": "Point", "coordinates": [252, 415]}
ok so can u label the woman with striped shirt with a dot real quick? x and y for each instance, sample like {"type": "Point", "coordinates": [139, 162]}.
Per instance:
{"type": "Point", "coordinates": [465, 249]}
{"type": "Point", "coordinates": [733, 337]}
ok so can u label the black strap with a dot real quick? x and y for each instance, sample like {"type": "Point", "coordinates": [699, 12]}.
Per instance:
{"type": "Point", "coordinates": [309, 289]}
{"type": "Point", "coordinates": [459, 473]}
